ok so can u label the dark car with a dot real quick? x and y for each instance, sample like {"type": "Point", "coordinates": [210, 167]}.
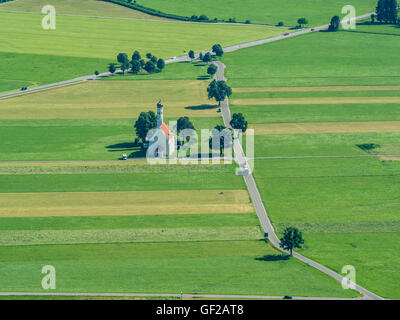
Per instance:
{"type": "Point", "coordinates": [287, 297]}
{"type": "Point", "coordinates": [24, 88]}
{"type": "Point", "coordinates": [286, 34]}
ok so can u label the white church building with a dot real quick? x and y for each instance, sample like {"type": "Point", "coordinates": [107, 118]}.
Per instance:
{"type": "Point", "coordinates": [163, 142]}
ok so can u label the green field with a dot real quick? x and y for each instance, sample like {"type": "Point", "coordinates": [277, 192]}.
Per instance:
{"type": "Point", "coordinates": [221, 267]}
{"type": "Point", "coordinates": [347, 209]}
{"type": "Point", "coordinates": [258, 11]}
{"type": "Point", "coordinates": [320, 59]}
{"type": "Point", "coordinates": [77, 7]}
{"type": "Point", "coordinates": [81, 45]}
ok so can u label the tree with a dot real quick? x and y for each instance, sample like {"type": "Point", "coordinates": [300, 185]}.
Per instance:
{"type": "Point", "coordinates": [145, 122]}
{"type": "Point", "coordinates": [302, 21]}
{"type": "Point", "coordinates": [280, 24]}
{"type": "Point", "coordinates": [125, 66]}
{"type": "Point", "coordinates": [191, 54]}
{"type": "Point", "coordinates": [135, 66]}
{"type": "Point", "coordinates": [96, 73]}
{"type": "Point", "coordinates": [150, 67]}
{"type": "Point", "coordinates": [222, 141]}
{"type": "Point", "coordinates": [207, 57]}
{"type": "Point", "coordinates": [149, 55]}
{"type": "Point", "coordinates": [292, 238]}
{"type": "Point", "coordinates": [154, 59]}
{"type": "Point", "coordinates": [373, 16]}
{"type": "Point", "coordinates": [212, 69]}
{"type": "Point", "coordinates": [122, 57]}
{"type": "Point", "coordinates": [136, 56]}
{"type": "Point", "coordinates": [238, 122]}
{"type": "Point", "coordinates": [217, 49]}
{"type": "Point", "coordinates": [335, 22]}
{"type": "Point", "coordinates": [160, 64]}
{"type": "Point", "coordinates": [184, 123]}
{"type": "Point", "coordinates": [201, 56]}
{"type": "Point", "coordinates": [392, 11]}
{"type": "Point", "coordinates": [203, 17]}
{"type": "Point", "coordinates": [112, 68]}
{"type": "Point", "coordinates": [386, 11]}
{"type": "Point", "coordinates": [219, 90]}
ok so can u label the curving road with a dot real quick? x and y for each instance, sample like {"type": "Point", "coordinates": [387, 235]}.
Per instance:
{"type": "Point", "coordinates": [257, 201]}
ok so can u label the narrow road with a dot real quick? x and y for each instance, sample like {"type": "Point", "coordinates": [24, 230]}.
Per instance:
{"type": "Point", "coordinates": [257, 201]}
{"type": "Point", "coordinates": [176, 59]}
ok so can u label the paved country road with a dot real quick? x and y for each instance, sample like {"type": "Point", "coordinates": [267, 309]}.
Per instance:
{"type": "Point", "coordinates": [174, 59]}
{"type": "Point", "coordinates": [257, 201]}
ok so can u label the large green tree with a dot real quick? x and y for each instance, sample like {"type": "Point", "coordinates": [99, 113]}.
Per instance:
{"type": "Point", "coordinates": [145, 122]}
{"type": "Point", "coordinates": [160, 64]}
{"type": "Point", "coordinates": [387, 11]}
{"type": "Point", "coordinates": [184, 123]}
{"type": "Point", "coordinates": [335, 23]}
{"type": "Point", "coordinates": [216, 132]}
{"type": "Point", "coordinates": [217, 49]}
{"type": "Point", "coordinates": [292, 238]}
{"type": "Point", "coordinates": [207, 57]}
{"type": "Point", "coordinates": [239, 122]}
{"type": "Point", "coordinates": [136, 56]}
{"type": "Point", "coordinates": [135, 66]}
{"type": "Point", "coordinates": [191, 54]}
{"type": "Point", "coordinates": [212, 69]}
{"type": "Point", "coordinates": [219, 90]}
{"type": "Point", "coordinates": [302, 21]}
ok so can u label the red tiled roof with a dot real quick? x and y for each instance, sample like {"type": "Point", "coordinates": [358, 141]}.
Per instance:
{"type": "Point", "coordinates": [166, 130]}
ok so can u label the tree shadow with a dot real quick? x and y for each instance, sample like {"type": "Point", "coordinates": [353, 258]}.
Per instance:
{"type": "Point", "coordinates": [202, 107]}
{"type": "Point", "coordinates": [124, 146]}
{"type": "Point", "coordinates": [200, 64]}
{"type": "Point", "coordinates": [204, 77]}
{"type": "Point", "coordinates": [273, 257]}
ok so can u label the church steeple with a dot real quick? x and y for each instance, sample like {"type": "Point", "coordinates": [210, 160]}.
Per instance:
{"type": "Point", "coordinates": [160, 114]}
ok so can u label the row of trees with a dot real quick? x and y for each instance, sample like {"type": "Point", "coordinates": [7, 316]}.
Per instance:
{"type": "Point", "coordinates": [137, 64]}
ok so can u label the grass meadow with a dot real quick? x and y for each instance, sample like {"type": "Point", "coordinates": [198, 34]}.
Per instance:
{"type": "Point", "coordinates": [81, 45]}
{"type": "Point", "coordinates": [258, 11]}
{"type": "Point", "coordinates": [344, 58]}
{"type": "Point", "coordinates": [347, 209]}
{"type": "Point", "coordinates": [77, 7]}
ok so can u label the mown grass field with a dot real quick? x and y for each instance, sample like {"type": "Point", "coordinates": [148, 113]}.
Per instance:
{"type": "Point", "coordinates": [347, 208]}
{"type": "Point", "coordinates": [258, 11]}
{"type": "Point", "coordinates": [148, 249]}
{"type": "Point", "coordinates": [344, 58]}
{"type": "Point", "coordinates": [81, 45]}
{"type": "Point", "coordinates": [234, 267]}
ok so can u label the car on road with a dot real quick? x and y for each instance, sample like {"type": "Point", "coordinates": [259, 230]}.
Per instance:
{"type": "Point", "coordinates": [287, 297]}
{"type": "Point", "coordinates": [312, 29]}
{"type": "Point", "coordinates": [286, 34]}
{"type": "Point", "coordinates": [124, 157]}
{"type": "Point", "coordinates": [24, 88]}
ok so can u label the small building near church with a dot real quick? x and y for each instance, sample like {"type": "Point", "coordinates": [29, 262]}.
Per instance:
{"type": "Point", "coordinates": [164, 141]}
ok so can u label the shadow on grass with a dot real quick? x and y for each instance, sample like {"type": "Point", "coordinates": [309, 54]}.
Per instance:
{"type": "Point", "coordinates": [203, 78]}
{"type": "Point", "coordinates": [202, 107]}
{"type": "Point", "coordinates": [274, 257]}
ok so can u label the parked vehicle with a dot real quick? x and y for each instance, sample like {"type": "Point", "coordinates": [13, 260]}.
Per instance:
{"type": "Point", "coordinates": [24, 88]}
{"type": "Point", "coordinates": [286, 34]}
{"type": "Point", "coordinates": [124, 157]}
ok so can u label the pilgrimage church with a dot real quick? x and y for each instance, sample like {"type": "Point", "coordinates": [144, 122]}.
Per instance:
{"type": "Point", "coordinates": [165, 137]}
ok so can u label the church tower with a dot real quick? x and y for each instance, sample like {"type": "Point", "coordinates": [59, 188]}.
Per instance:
{"type": "Point", "coordinates": [160, 114]}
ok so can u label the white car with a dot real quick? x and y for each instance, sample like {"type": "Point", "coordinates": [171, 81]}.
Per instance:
{"type": "Point", "coordinates": [124, 157]}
